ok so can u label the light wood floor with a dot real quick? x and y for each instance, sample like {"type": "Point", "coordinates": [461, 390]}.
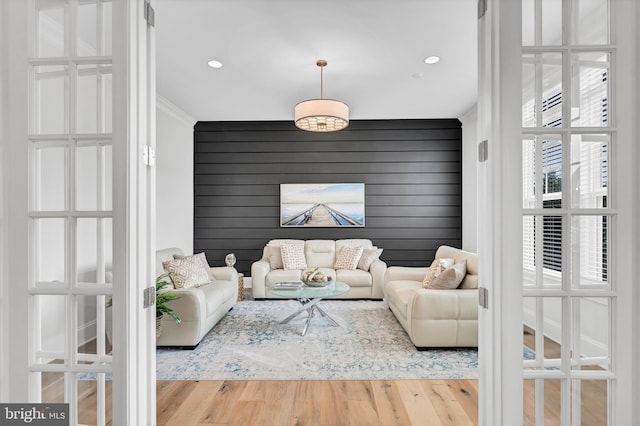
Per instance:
{"type": "Point", "coordinates": [338, 402]}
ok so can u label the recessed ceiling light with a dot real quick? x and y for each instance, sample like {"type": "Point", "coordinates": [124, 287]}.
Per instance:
{"type": "Point", "coordinates": [215, 64]}
{"type": "Point", "coordinates": [432, 60]}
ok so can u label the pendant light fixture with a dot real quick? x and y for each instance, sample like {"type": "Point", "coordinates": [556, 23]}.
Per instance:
{"type": "Point", "coordinates": [321, 115]}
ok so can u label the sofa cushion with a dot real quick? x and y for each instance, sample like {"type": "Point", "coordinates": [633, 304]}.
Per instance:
{"type": "Point", "coordinates": [355, 278]}
{"type": "Point", "coordinates": [320, 253]}
{"type": "Point", "coordinates": [368, 257]}
{"type": "Point", "coordinates": [187, 272]}
{"type": "Point", "coordinates": [282, 275]}
{"type": "Point", "coordinates": [348, 258]}
{"type": "Point", "coordinates": [216, 294]}
{"type": "Point", "coordinates": [450, 278]}
{"type": "Point", "coordinates": [293, 256]}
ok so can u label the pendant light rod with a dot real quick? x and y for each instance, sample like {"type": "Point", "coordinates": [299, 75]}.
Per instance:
{"type": "Point", "coordinates": [321, 63]}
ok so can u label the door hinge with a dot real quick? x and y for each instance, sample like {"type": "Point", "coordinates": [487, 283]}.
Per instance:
{"type": "Point", "coordinates": [483, 297]}
{"type": "Point", "coordinates": [149, 296]}
{"type": "Point", "coordinates": [482, 8]}
{"type": "Point", "coordinates": [483, 151]}
{"type": "Point", "coordinates": [148, 155]}
{"type": "Point", "coordinates": [149, 14]}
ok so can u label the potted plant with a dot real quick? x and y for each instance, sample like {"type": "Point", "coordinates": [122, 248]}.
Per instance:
{"type": "Point", "coordinates": [164, 295]}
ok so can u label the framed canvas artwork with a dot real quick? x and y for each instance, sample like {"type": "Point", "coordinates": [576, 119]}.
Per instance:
{"type": "Point", "coordinates": [322, 204]}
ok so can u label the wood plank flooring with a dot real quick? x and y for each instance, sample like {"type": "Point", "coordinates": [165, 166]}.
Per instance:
{"type": "Point", "coordinates": [335, 402]}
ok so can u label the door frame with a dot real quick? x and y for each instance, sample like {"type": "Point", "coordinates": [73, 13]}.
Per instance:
{"type": "Point", "coordinates": [500, 214]}
{"type": "Point", "coordinates": [133, 394]}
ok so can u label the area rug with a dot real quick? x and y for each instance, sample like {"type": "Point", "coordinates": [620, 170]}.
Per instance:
{"type": "Point", "coordinates": [249, 343]}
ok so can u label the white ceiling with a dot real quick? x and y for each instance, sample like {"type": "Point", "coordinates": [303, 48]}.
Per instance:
{"type": "Point", "coordinates": [269, 48]}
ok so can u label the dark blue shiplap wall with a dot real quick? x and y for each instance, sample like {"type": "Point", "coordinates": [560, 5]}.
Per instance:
{"type": "Point", "coordinates": [412, 171]}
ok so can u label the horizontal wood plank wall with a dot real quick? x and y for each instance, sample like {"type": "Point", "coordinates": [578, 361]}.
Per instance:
{"type": "Point", "coordinates": [412, 171]}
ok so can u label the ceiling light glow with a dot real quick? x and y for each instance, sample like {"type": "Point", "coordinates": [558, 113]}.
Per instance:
{"type": "Point", "coordinates": [432, 60]}
{"type": "Point", "coordinates": [215, 64]}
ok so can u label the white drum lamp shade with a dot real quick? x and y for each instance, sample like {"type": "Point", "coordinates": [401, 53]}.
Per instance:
{"type": "Point", "coordinates": [321, 115]}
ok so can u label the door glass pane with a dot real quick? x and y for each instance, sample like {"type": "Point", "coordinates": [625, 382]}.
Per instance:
{"type": "Point", "coordinates": [541, 26]}
{"type": "Point", "coordinates": [591, 18]}
{"type": "Point", "coordinates": [87, 40]}
{"type": "Point", "coordinates": [550, 402]}
{"type": "Point", "coordinates": [50, 28]}
{"type": "Point", "coordinates": [87, 251]}
{"type": "Point", "coordinates": [50, 98]}
{"type": "Point", "coordinates": [52, 387]}
{"type": "Point", "coordinates": [94, 99]}
{"type": "Point", "coordinates": [51, 313]}
{"type": "Point", "coordinates": [590, 342]}
{"type": "Point", "coordinates": [94, 390]}
{"type": "Point", "coordinates": [51, 166]}
{"type": "Point", "coordinates": [551, 171]}
{"type": "Point", "coordinates": [107, 179]}
{"type": "Point", "coordinates": [548, 148]}
{"type": "Point", "coordinates": [590, 87]}
{"type": "Point", "coordinates": [542, 332]}
{"type": "Point", "coordinates": [106, 28]}
{"type": "Point", "coordinates": [50, 250]}
{"type": "Point", "coordinates": [589, 251]}
{"type": "Point", "coordinates": [593, 396]}
{"type": "Point", "coordinates": [542, 90]}
{"type": "Point", "coordinates": [93, 344]}
{"type": "Point", "coordinates": [550, 230]}
{"type": "Point", "coordinates": [529, 251]}
{"type": "Point", "coordinates": [87, 176]}
{"type": "Point", "coordinates": [590, 170]}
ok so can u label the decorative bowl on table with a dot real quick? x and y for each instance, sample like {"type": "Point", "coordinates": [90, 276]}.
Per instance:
{"type": "Point", "coordinates": [315, 278]}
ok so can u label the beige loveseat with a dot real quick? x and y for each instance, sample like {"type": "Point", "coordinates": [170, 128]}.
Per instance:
{"type": "Point", "coordinates": [435, 318]}
{"type": "Point", "coordinates": [365, 284]}
{"type": "Point", "coordinates": [199, 308]}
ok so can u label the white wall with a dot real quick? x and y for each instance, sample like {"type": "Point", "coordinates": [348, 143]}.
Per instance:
{"type": "Point", "coordinates": [174, 177]}
{"type": "Point", "coordinates": [469, 180]}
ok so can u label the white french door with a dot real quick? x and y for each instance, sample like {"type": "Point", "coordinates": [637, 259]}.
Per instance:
{"type": "Point", "coordinates": [77, 203]}
{"type": "Point", "coordinates": [558, 200]}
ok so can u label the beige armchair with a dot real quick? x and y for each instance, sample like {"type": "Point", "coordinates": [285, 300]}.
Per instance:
{"type": "Point", "coordinates": [435, 318]}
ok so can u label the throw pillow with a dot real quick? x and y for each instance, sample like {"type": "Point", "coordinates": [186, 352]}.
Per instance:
{"type": "Point", "coordinates": [202, 257]}
{"type": "Point", "coordinates": [275, 257]}
{"type": "Point", "coordinates": [368, 257]}
{"type": "Point", "coordinates": [446, 262]}
{"type": "Point", "coordinates": [450, 278]}
{"type": "Point", "coordinates": [293, 256]}
{"type": "Point", "coordinates": [187, 272]}
{"type": "Point", "coordinates": [434, 270]}
{"type": "Point", "coordinates": [348, 258]}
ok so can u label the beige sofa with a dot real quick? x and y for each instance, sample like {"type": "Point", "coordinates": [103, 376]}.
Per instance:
{"type": "Point", "coordinates": [435, 318]}
{"type": "Point", "coordinates": [322, 254]}
{"type": "Point", "coordinates": [199, 308]}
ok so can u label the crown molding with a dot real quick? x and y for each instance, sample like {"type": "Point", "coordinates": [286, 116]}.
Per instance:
{"type": "Point", "coordinates": [172, 109]}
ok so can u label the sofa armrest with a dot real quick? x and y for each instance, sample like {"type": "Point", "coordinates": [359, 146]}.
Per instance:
{"type": "Point", "coordinates": [259, 271]}
{"type": "Point", "coordinates": [435, 304]}
{"type": "Point", "coordinates": [225, 273]}
{"type": "Point", "coordinates": [377, 271]}
{"type": "Point", "coordinates": [190, 304]}
{"type": "Point", "coordinates": [405, 273]}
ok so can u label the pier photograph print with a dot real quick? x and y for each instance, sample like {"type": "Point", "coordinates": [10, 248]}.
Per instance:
{"type": "Point", "coordinates": [322, 204]}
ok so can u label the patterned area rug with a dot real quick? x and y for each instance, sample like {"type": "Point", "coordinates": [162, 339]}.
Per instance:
{"type": "Point", "coordinates": [250, 343]}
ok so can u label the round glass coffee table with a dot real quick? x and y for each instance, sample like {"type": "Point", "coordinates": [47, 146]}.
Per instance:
{"type": "Point", "coordinates": [309, 297]}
